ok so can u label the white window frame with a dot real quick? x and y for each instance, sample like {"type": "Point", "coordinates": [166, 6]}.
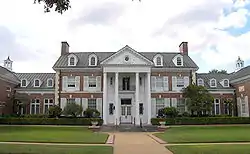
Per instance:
{"type": "Point", "coordinates": [243, 103]}
{"type": "Point", "coordinates": [35, 103]}
{"type": "Point", "coordinates": [68, 81]}
{"type": "Point", "coordinates": [215, 84]}
{"type": "Point", "coordinates": [26, 83]}
{"type": "Point", "coordinates": [50, 79]}
{"type": "Point", "coordinates": [39, 82]}
{"type": "Point", "coordinates": [180, 60]}
{"type": "Point", "coordinates": [92, 56]}
{"type": "Point", "coordinates": [89, 81]}
{"type": "Point", "coordinates": [71, 100]}
{"type": "Point", "coordinates": [215, 106]}
{"type": "Point", "coordinates": [174, 60]}
{"type": "Point", "coordinates": [180, 79]}
{"type": "Point", "coordinates": [94, 103]}
{"type": "Point", "coordinates": [159, 83]}
{"type": "Point", "coordinates": [155, 60]}
{"type": "Point", "coordinates": [75, 60]}
{"type": "Point", "coordinates": [159, 105]}
{"type": "Point", "coordinates": [200, 82]}
{"type": "Point", "coordinates": [47, 101]}
{"type": "Point", "coordinates": [224, 83]}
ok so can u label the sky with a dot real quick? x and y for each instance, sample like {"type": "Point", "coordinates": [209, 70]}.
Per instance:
{"type": "Point", "coordinates": [217, 31]}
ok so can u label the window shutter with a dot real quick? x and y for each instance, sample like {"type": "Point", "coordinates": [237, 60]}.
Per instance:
{"type": "Point", "coordinates": [247, 109]}
{"type": "Point", "coordinates": [165, 83]}
{"type": "Point", "coordinates": [153, 107]}
{"type": "Point", "coordinates": [186, 81]}
{"type": "Point", "coordinates": [167, 102]}
{"type": "Point", "coordinates": [174, 83]}
{"type": "Point", "coordinates": [84, 104]}
{"type": "Point", "coordinates": [77, 80]}
{"type": "Point", "coordinates": [174, 102]}
{"type": "Point", "coordinates": [86, 83]}
{"type": "Point", "coordinates": [63, 103]}
{"type": "Point", "coordinates": [64, 83]}
{"type": "Point", "coordinates": [98, 83]}
{"type": "Point", "coordinates": [153, 85]}
{"type": "Point", "coordinates": [99, 105]}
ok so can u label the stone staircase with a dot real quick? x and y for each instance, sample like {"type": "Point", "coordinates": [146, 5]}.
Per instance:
{"type": "Point", "coordinates": [128, 128]}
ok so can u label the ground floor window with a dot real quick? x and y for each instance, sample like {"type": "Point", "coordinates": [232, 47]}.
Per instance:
{"type": "Point", "coordinates": [35, 106]}
{"type": "Point", "coordinates": [217, 106]}
{"type": "Point", "coordinates": [243, 105]}
{"type": "Point", "coordinates": [181, 106]}
{"type": "Point", "coordinates": [92, 103]}
{"type": "Point", "coordinates": [71, 100]}
{"type": "Point", "coordinates": [159, 104]}
{"type": "Point", "coordinates": [47, 104]}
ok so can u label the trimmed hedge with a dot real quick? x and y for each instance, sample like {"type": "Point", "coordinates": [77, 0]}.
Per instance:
{"type": "Point", "coordinates": [49, 121]}
{"type": "Point", "coordinates": [201, 120]}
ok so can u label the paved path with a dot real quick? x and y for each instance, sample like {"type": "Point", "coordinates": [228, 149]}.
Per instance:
{"type": "Point", "coordinates": [137, 143]}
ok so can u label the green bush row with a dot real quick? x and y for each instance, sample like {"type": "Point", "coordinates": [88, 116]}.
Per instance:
{"type": "Point", "coordinates": [201, 120]}
{"type": "Point", "coordinates": [49, 121]}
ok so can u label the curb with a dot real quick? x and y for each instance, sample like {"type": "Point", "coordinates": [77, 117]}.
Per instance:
{"type": "Point", "coordinates": [160, 141]}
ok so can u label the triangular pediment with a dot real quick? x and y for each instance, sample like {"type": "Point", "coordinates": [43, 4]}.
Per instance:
{"type": "Point", "coordinates": [127, 56]}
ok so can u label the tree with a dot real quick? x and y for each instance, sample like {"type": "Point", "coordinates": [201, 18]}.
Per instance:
{"type": "Point", "coordinates": [199, 100]}
{"type": "Point", "coordinates": [218, 71]}
{"type": "Point", "coordinates": [55, 111]}
{"type": "Point", "coordinates": [91, 113]}
{"type": "Point", "coordinates": [59, 5]}
{"type": "Point", "coordinates": [72, 109]}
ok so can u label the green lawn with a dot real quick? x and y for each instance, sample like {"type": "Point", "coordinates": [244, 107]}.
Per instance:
{"type": "Point", "coordinates": [50, 134]}
{"type": "Point", "coordinates": [210, 149]}
{"type": "Point", "coordinates": [45, 149]}
{"type": "Point", "coordinates": [206, 134]}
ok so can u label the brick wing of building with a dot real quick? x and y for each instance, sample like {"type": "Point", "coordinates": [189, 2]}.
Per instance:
{"type": "Point", "coordinates": [126, 86]}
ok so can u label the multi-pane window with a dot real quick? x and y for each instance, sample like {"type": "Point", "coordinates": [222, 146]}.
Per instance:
{"type": "Point", "coordinates": [50, 83]}
{"type": "Point", "coordinates": [71, 82]}
{"type": "Point", "coordinates": [159, 104]}
{"type": "Point", "coordinates": [243, 105]}
{"type": "Point", "coordinates": [111, 108]}
{"type": "Point", "coordinates": [37, 83]}
{"type": "Point", "coordinates": [47, 104]}
{"type": "Point", "coordinates": [92, 103]}
{"type": "Point", "coordinates": [181, 105]}
{"type": "Point", "coordinates": [72, 61]}
{"type": "Point", "coordinates": [226, 83]}
{"type": "Point", "coordinates": [200, 82]}
{"type": "Point", "coordinates": [216, 106]}
{"type": "Point", "coordinates": [23, 83]}
{"type": "Point", "coordinates": [159, 83]}
{"type": "Point", "coordinates": [213, 83]}
{"type": "Point", "coordinates": [180, 81]}
{"type": "Point", "coordinates": [71, 100]}
{"type": "Point", "coordinates": [92, 81]}
{"type": "Point", "coordinates": [179, 62]}
{"type": "Point", "coordinates": [92, 61]}
{"type": "Point", "coordinates": [158, 61]}
{"type": "Point", "coordinates": [141, 108]}
{"type": "Point", "coordinates": [35, 106]}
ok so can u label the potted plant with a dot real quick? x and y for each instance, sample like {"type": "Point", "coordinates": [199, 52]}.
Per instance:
{"type": "Point", "coordinates": [162, 123]}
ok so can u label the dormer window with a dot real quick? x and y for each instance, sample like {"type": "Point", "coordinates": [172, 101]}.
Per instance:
{"type": "Point", "coordinates": [92, 60]}
{"type": "Point", "coordinates": [158, 60]}
{"type": "Point", "coordinates": [72, 60]}
{"type": "Point", "coordinates": [49, 83]}
{"type": "Point", "coordinates": [212, 83]}
{"type": "Point", "coordinates": [200, 82]}
{"type": "Point", "coordinates": [179, 61]}
{"type": "Point", "coordinates": [23, 83]}
{"type": "Point", "coordinates": [226, 83]}
{"type": "Point", "coordinates": [36, 83]}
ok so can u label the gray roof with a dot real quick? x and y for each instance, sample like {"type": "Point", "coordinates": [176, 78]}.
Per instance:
{"type": "Point", "coordinates": [217, 76]}
{"type": "Point", "coordinates": [30, 77]}
{"type": "Point", "coordinates": [8, 75]}
{"type": "Point", "coordinates": [241, 73]}
{"type": "Point", "coordinates": [62, 62]}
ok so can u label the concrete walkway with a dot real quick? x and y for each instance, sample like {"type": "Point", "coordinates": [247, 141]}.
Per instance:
{"type": "Point", "coordinates": [137, 143]}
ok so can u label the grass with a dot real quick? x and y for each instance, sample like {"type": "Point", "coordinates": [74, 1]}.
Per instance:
{"type": "Point", "coordinates": [50, 134]}
{"type": "Point", "coordinates": [206, 134]}
{"type": "Point", "coordinates": [51, 149]}
{"type": "Point", "coordinates": [210, 149]}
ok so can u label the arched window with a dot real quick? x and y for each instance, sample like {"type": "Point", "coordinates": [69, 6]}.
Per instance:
{"type": "Point", "coordinates": [213, 83]}
{"type": "Point", "coordinates": [200, 82]}
{"type": "Point", "coordinates": [158, 61]}
{"type": "Point", "coordinates": [49, 83]}
{"type": "Point", "coordinates": [226, 83]}
{"type": "Point", "coordinates": [92, 61]}
{"type": "Point", "coordinates": [36, 83]}
{"type": "Point", "coordinates": [72, 61]}
{"type": "Point", "coordinates": [179, 62]}
{"type": "Point", "coordinates": [23, 83]}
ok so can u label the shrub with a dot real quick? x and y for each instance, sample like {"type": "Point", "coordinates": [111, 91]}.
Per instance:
{"type": "Point", "coordinates": [50, 121]}
{"type": "Point", "coordinates": [34, 116]}
{"type": "Point", "coordinates": [170, 112]}
{"type": "Point", "coordinates": [55, 111]}
{"type": "Point", "coordinates": [72, 109]}
{"type": "Point", "coordinates": [91, 113]}
{"type": "Point", "coordinates": [201, 120]}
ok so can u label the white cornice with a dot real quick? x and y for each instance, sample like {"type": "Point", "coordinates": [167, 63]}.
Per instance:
{"type": "Point", "coordinates": [247, 77]}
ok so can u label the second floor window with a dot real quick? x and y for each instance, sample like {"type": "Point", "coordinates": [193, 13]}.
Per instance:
{"type": "Point", "coordinates": [92, 81]}
{"type": "Point", "coordinates": [180, 81]}
{"type": "Point", "coordinates": [92, 103]}
{"type": "Point", "coordinates": [71, 82]}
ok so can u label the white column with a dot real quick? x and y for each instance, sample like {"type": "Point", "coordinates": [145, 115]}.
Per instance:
{"type": "Point", "coordinates": [117, 108]}
{"type": "Point", "coordinates": [137, 86]}
{"type": "Point", "coordinates": [104, 101]}
{"type": "Point", "coordinates": [149, 97]}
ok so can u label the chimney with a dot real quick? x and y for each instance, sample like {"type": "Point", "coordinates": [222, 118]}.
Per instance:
{"type": "Point", "coordinates": [184, 48]}
{"type": "Point", "coordinates": [64, 48]}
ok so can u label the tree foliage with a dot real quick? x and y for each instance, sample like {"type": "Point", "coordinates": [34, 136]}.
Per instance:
{"type": "Point", "coordinates": [55, 111]}
{"type": "Point", "coordinates": [199, 100]}
{"type": "Point", "coordinates": [72, 109]}
{"type": "Point", "coordinates": [60, 6]}
{"type": "Point", "coordinates": [218, 71]}
{"type": "Point", "coordinates": [91, 113]}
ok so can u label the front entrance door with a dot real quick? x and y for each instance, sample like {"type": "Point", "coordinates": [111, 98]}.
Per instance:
{"type": "Point", "coordinates": [126, 107]}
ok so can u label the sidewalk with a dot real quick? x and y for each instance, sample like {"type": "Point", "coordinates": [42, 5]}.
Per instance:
{"type": "Point", "coordinates": [137, 143]}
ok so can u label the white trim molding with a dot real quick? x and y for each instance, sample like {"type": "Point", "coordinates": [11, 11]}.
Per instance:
{"type": "Point", "coordinates": [75, 59]}
{"type": "Point", "coordinates": [215, 83]}
{"type": "Point", "coordinates": [92, 56]}
{"type": "Point", "coordinates": [48, 82]}
{"type": "Point", "coordinates": [156, 57]}
{"type": "Point", "coordinates": [26, 81]}
{"type": "Point", "coordinates": [39, 82]}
